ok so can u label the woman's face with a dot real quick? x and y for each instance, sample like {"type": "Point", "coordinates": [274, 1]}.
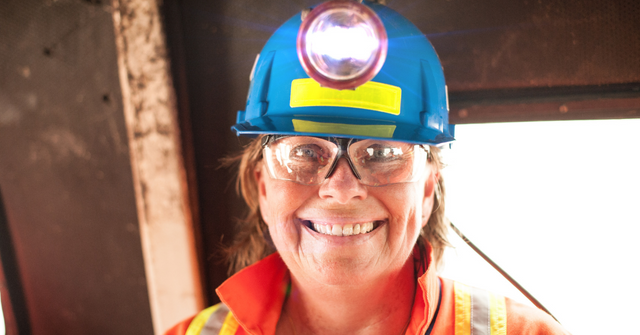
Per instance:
{"type": "Point", "coordinates": [297, 213]}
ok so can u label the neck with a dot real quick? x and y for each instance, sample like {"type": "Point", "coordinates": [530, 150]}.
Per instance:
{"type": "Point", "coordinates": [380, 306]}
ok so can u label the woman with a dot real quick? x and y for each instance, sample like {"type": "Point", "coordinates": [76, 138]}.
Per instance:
{"type": "Point", "coordinates": [354, 251]}
{"type": "Point", "coordinates": [346, 224]}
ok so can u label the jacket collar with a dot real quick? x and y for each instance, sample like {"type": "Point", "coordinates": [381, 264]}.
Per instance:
{"type": "Point", "coordinates": [256, 294]}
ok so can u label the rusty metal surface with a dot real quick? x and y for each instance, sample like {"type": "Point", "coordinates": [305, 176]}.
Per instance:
{"type": "Point", "coordinates": [523, 60]}
{"type": "Point", "coordinates": [502, 44]}
{"type": "Point", "coordinates": [64, 170]}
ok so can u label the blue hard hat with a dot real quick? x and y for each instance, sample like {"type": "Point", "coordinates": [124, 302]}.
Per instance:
{"type": "Point", "coordinates": [405, 101]}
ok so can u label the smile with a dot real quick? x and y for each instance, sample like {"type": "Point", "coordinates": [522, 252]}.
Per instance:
{"type": "Point", "coordinates": [343, 230]}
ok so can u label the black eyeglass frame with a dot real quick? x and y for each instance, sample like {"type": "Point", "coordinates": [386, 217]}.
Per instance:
{"type": "Point", "coordinates": [343, 146]}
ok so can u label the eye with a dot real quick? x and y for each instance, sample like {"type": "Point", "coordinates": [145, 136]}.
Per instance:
{"type": "Point", "coordinates": [308, 153]}
{"type": "Point", "coordinates": [382, 153]}
{"type": "Point", "coordinates": [304, 152]}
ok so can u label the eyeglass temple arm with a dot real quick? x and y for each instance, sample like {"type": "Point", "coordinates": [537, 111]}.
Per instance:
{"type": "Point", "coordinates": [502, 272]}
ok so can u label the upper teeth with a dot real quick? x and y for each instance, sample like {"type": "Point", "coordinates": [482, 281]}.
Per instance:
{"type": "Point", "coordinates": [346, 230]}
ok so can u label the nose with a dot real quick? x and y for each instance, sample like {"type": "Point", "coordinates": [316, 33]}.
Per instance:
{"type": "Point", "coordinates": [342, 186]}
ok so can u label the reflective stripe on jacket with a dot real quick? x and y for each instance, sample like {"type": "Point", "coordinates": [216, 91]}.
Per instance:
{"type": "Point", "coordinates": [215, 320]}
{"type": "Point", "coordinates": [477, 312]}
{"type": "Point", "coordinates": [257, 293]}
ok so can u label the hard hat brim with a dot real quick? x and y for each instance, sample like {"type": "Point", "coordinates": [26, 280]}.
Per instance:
{"type": "Point", "coordinates": [342, 127]}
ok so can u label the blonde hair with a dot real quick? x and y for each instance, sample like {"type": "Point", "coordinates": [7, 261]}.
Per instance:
{"type": "Point", "coordinates": [253, 242]}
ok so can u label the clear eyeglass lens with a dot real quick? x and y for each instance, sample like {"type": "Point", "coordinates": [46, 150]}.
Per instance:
{"type": "Point", "coordinates": [387, 162]}
{"type": "Point", "coordinates": [342, 44]}
{"type": "Point", "coordinates": [307, 160]}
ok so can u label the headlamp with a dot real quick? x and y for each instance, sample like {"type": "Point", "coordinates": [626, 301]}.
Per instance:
{"type": "Point", "coordinates": [342, 44]}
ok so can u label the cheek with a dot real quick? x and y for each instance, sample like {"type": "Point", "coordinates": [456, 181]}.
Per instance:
{"type": "Point", "coordinates": [404, 202]}
{"type": "Point", "coordinates": [270, 201]}
{"type": "Point", "coordinates": [279, 201]}
{"type": "Point", "coordinates": [265, 211]}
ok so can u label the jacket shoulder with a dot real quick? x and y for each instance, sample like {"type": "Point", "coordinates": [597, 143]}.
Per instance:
{"type": "Point", "coordinates": [214, 320]}
{"type": "Point", "coordinates": [527, 320]}
{"type": "Point", "coordinates": [181, 327]}
{"type": "Point", "coordinates": [467, 308]}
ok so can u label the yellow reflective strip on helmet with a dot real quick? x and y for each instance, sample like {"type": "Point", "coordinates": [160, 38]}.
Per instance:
{"type": "Point", "coordinates": [196, 325]}
{"type": "Point", "coordinates": [229, 326]}
{"type": "Point", "coordinates": [384, 131]}
{"type": "Point", "coordinates": [462, 309]}
{"type": "Point", "coordinates": [498, 315]}
{"type": "Point", "coordinates": [371, 95]}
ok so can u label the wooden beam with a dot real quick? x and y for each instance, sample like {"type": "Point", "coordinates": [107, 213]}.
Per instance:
{"type": "Point", "coordinates": [550, 109]}
{"type": "Point", "coordinates": [157, 162]}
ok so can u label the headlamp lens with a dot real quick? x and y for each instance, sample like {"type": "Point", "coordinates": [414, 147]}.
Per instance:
{"type": "Point", "coordinates": [342, 44]}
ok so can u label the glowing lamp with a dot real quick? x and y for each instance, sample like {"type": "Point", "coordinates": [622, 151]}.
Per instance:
{"type": "Point", "coordinates": [342, 44]}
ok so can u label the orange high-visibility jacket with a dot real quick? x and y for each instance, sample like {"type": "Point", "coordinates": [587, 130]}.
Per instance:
{"type": "Point", "coordinates": [252, 301]}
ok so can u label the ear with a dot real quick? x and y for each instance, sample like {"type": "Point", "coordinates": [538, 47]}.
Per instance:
{"type": "Point", "coordinates": [429, 196]}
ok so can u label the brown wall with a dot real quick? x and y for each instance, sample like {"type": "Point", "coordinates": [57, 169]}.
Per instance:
{"type": "Point", "coordinates": [65, 173]}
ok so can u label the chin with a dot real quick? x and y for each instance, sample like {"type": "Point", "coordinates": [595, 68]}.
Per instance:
{"type": "Point", "coordinates": [337, 269]}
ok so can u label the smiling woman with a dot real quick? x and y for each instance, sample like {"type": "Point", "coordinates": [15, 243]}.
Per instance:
{"type": "Point", "coordinates": [390, 218]}
{"type": "Point", "coordinates": [254, 242]}
{"type": "Point", "coordinates": [346, 226]}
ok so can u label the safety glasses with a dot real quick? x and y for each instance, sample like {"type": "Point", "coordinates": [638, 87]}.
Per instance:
{"type": "Point", "coordinates": [310, 160]}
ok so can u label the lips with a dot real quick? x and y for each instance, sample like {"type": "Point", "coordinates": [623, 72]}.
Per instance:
{"type": "Point", "coordinates": [343, 230]}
